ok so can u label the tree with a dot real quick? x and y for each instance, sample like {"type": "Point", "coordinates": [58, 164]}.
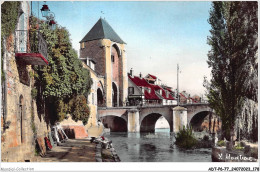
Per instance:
{"type": "Point", "coordinates": [232, 57]}
{"type": "Point", "coordinates": [64, 83]}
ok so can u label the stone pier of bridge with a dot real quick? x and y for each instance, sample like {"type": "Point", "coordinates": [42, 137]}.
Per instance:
{"type": "Point", "coordinates": [133, 119]}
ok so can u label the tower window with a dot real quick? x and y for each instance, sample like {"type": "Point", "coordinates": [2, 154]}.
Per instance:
{"type": "Point", "coordinates": [112, 58]}
{"type": "Point", "coordinates": [82, 45]}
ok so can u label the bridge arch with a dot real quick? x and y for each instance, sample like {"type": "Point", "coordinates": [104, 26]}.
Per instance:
{"type": "Point", "coordinates": [205, 120]}
{"type": "Point", "coordinates": [115, 123]}
{"type": "Point", "coordinates": [194, 110]}
{"type": "Point", "coordinates": [147, 124]}
{"type": "Point", "coordinates": [152, 114]}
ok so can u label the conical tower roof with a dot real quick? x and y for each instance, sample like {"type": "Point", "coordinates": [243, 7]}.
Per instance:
{"type": "Point", "coordinates": [102, 30]}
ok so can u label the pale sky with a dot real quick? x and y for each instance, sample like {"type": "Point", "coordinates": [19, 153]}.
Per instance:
{"type": "Point", "coordinates": [158, 35]}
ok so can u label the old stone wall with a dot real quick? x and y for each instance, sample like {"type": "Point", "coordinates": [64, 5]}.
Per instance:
{"type": "Point", "coordinates": [18, 141]}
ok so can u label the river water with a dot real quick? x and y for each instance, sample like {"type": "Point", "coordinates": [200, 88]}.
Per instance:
{"type": "Point", "coordinates": [154, 147]}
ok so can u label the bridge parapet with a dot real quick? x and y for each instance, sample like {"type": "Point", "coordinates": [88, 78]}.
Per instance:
{"type": "Point", "coordinates": [153, 106]}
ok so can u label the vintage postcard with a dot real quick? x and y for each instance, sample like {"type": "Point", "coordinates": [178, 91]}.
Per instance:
{"type": "Point", "coordinates": [129, 81]}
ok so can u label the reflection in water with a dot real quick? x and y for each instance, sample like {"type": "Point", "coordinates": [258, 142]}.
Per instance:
{"type": "Point", "coordinates": [154, 147]}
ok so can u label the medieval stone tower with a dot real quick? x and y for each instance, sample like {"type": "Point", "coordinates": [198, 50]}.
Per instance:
{"type": "Point", "coordinates": [107, 50]}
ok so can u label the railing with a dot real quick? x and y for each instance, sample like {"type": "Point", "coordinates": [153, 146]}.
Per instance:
{"type": "Point", "coordinates": [30, 42]}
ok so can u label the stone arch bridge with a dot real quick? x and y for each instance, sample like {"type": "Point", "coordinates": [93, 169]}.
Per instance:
{"type": "Point", "coordinates": [143, 119]}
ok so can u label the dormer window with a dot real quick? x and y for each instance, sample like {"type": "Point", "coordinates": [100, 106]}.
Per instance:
{"type": "Point", "coordinates": [112, 58]}
{"type": "Point", "coordinates": [142, 89]}
{"type": "Point", "coordinates": [160, 91]}
{"type": "Point", "coordinates": [167, 94]}
{"type": "Point", "coordinates": [149, 90]}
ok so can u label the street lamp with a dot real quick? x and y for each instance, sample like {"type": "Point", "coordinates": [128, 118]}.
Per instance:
{"type": "Point", "coordinates": [45, 10]}
{"type": "Point", "coordinates": [52, 24]}
{"type": "Point", "coordinates": [49, 16]}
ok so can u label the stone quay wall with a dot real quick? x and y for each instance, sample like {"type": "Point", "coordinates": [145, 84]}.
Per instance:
{"type": "Point", "coordinates": [18, 139]}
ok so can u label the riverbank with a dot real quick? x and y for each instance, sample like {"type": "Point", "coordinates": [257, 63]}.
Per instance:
{"type": "Point", "coordinates": [241, 152]}
{"type": "Point", "coordinates": [77, 150]}
{"type": "Point", "coordinates": [221, 154]}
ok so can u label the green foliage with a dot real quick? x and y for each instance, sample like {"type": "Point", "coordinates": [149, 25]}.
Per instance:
{"type": "Point", "coordinates": [31, 74]}
{"type": "Point", "coordinates": [239, 147]}
{"type": "Point", "coordinates": [64, 81]}
{"type": "Point", "coordinates": [9, 17]}
{"type": "Point", "coordinates": [233, 44]}
{"type": "Point", "coordinates": [34, 92]}
{"type": "Point", "coordinates": [80, 109]}
{"type": "Point", "coordinates": [221, 143]}
{"type": "Point", "coordinates": [185, 138]}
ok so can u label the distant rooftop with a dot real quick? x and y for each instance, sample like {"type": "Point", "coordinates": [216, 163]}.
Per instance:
{"type": "Point", "coordinates": [102, 30]}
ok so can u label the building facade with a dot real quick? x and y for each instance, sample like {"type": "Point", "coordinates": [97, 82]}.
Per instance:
{"type": "Point", "coordinates": [103, 53]}
{"type": "Point", "coordinates": [21, 121]}
{"type": "Point", "coordinates": [95, 97]}
{"type": "Point", "coordinates": [148, 91]}
{"type": "Point", "coordinates": [107, 49]}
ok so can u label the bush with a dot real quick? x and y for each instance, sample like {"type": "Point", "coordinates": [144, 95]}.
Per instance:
{"type": "Point", "coordinates": [185, 138]}
{"type": "Point", "coordinates": [221, 143]}
{"type": "Point", "coordinates": [254, 153]}
{"type": "Point", "coordinates": [239, 146]}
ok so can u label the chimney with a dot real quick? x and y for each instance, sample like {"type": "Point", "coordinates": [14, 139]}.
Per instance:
{"type": "Point", "coordinates": [131, 72]}
{"type": "Point", "coordinates": [140, 75]}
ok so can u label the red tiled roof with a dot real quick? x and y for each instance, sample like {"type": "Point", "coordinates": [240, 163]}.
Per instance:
{"type": "Point", "coordinates": [143, 83]}
{"type": "Point", "coordinates": [183, 95]}
{"type": "Point", "coordinates": [169, 90]}
{"type": "Point", "coordinates": [139, 82]}
{"type": "Point", "coordinates": [157, 87]}
{"type": "Point", "coordinates": [170, 97]}
{"type": "Point", "coordinates": [154, 77]}
{"type": "Point", "coordinates": [193, 100]}
{"type": "Point", "coordinates": [152, 95]}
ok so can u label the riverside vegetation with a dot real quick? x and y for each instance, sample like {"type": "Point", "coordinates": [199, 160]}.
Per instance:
{"type": "Point", "coordinates": [186, 139]}
{"type": "Point", "coordinates": [63, 85]}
